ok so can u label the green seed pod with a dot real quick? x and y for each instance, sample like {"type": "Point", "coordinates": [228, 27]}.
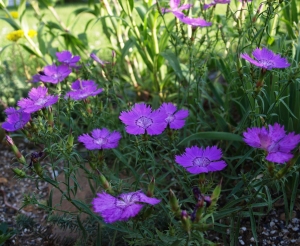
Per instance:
{"type": "Point", "coordinates": [174, 203]}
{"type": "Point", "coordinates": [151, 186]}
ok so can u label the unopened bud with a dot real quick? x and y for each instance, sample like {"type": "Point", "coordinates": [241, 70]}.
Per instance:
{"type": "Point", "coordinates": [174, 203]}
{"type": "Point", "coordinates": [20, 173]}
{"type": "Point", "coordinates": [186, 222]}
{"type": "Point", "coordinates": [38, 168]}
{"type": "Point", "coordinates": [216, 194]}
{"type": "Point", "coordinates": [70, 141]}
{"type": "Point", "coordinates": [151, 186]}
{"type": "Point", "coordinates": [16, 151]}
{"type": "Point", "coordinates": [106, 185]}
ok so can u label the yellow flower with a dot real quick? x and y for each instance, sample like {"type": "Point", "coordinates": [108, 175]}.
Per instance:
{"type": "Point", "coordinates": [14, 14]}
{"type": "Point", "coordinates": [15, 35]}
{"type": "Point", "coordinates": [32, 33]}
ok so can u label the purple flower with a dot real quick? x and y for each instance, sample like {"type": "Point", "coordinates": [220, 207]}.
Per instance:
{"type": "Point", "coordinates": [215, 2]}
{"type": "Point", "coordinates": [55, 74]}
{"type": "Point", "coordinates": [37, 100]}
{"type": "Point", "coordinates": [174, 120]}
{"type": "Point", "coordinates": [83, 89]}
{"type": "Point", "coordinates": [97, 59]}
{"type": "Point", "coordinates": [16, 119]}
{"type": "Point", "coordinates": [67, 58]}
{"type": "Point", "coordinates": [266, 59]}
{"type": "Point", "coordinates": [142, 119]}
{"type": "Point", "coordinates": [199, 160]}
{"type": "Point", "coordinates": [174, 6]}
{"type": "Point", "coordinates": [123, 207]}
{"type": "Point", "coordinates": [100, 139]}
{"type": "Point", "coordinates": [274, 141]}
{"type": "Point", "coordinates": [195, 22]}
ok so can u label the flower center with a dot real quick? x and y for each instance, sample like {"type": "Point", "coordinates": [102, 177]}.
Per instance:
{"type": "Point", "coordinates": [19, 124]}
{"type": "Point", "coordinates": [41, 101]}
{"type": "Point", "coordinates": [126, 200]}
{"type": "Point", "coordinates": [265, 141]}
{"type": "Point", "coordinates": [170, 118]}
{"type": "Point", "coordinates": [266, 63]}
{"type": "Point", "coordinates": [201, 162]}
{"type": "Point", "coordinates": [100, 141]}
{"type": "Point", "coordinates": [144, 122]}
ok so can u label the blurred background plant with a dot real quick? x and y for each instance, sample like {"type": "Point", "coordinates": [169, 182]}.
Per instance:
{"type": "Point", "coordinates": [151, 56]}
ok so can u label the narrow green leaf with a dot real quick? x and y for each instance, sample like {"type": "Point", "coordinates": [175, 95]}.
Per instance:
{"type": "Point", "coordinates": [173, 62]}
{"type": "Point", "coordinates": [213, 136]}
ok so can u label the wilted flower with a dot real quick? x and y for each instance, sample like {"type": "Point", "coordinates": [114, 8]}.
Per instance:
{"type": "Point", "coordinates": [15, 35]}
{"type": "Point", "coordinates": [100, 139]}
{"type": "Point", "coordinates": [274, 141]}
{"type": "Point", "coordinates": [122, 207]}
{"type": "Point", "coordinates": [215, 2]}
{"type": "Point", "coordinates": [67, 58]}
{"type": "Point", "coordinates": [97, 59]}
{"type": "Point", "coordinates": [141, 119]}
{"type": "Point", "coordinates": [83, 89]}
{"type": "Point", "coordinates": [16, 119]}
{"type": "Point", "coordinates": [266, 59]}
{"type": "Point", "coordinates": [199, 160]}
{"type": "Point", "coordinates": [175, 120]}
{"type": "Point", "coordinates": [55, 74]}
{"type": "Point", "coordinates": [37, 100]}
{"type": "Point", "coordinates": [174, 4]}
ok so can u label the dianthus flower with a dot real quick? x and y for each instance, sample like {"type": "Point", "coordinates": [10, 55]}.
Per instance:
{"type": "Point", "coordinates": [83, 89]}
{"type": "Point", "coordinates": [37, 100]}
{"type": "Point", "coordinates": [100, 139]}
{"type": "Point", "coordinates": [274, 141]}
{"type": "Point", "coordinates": [16, 119]}
{"type": "Point", "coordinates": [55, 74]}
{"type": "Point", "coordinates": [266, 59]}
{"type": "Point", "coordinates": [122, 207]}
{"type": "Point", "coordinates": [195, 22]}
{"type": "Point", "coordinates": [66, 57]}
{"type": "Point", "coordinates": [215, 2]}
{"type": "Point", "coordinates": [141, 119]}
{"type": "Point", "coordinates": [174, 120]}
{"type": "Point", "coordinates": [98, 60]}
{"type": "Point", "coordinates": [199, 160]}
{"type": "Point", "coordinates": [174, 4]}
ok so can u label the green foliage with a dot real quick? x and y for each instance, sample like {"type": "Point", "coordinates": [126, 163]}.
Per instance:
{"type": "Point", "coordinates": [159, 59]}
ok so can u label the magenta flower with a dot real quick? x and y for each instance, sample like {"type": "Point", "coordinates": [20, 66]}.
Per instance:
{"type": "Point", "coordinates": [174, 4]}
{"type": "Point", "coordinates": [37, 100]}
{"type": "Point", "coordinates": [66, 58]}
{"type": "Point", "coordinates": [55, 74]}
{"type": "Point", "coordinates": [141, 119]}
{"type": "Point", "coordinates": [16, 119]}
{"type": "Point", "coordinates": [199, 160]}
{"type": "Point", "coordinates": [98, 60]}
{"type": "Point", "coordinates": [174, 120]}
{"type": "Point", "coordinates": [121, 208]}
{"type": "Point", "coordinates": [195, 22]}
{"type": "Point", "coordinates": [100, 139]}
{"type": "Point", "coordinates": [266, 59]}
{"type": "Point", "coordinates": [274, 141]}
{"type": "Point", "coordinates": [83, 89]}
{"type": "Point", "coordinates": [215, 2]}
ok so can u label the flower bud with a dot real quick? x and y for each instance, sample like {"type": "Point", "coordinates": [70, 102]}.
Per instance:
{"type": "Point", "coordinates": [174, 203]}
{"type": "Point", "coordinates": [216, 194]}
{"type": "Point", "coordinates": [186, 222]}
{"type": "Point", "coordinates": [16, 151]}
{"type": "Point", "coordinates": [70, 141]}
{"type": "Point", "coordinates": [20, 173]}
{"type": "Point", "coordinates": [105, 184]}
{"type": "Point", "coordinates": [151, 185]}
{"type": "Point", "coordinates": [38, 168]}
